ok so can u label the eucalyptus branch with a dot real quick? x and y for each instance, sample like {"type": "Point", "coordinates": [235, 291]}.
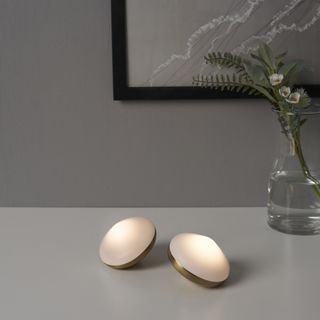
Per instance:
{"type": "Point", "coordinates": [268, 75]}
{"type": "Point", "coordinates": [226, 60]}
{"type": "Point", "coordinates": [223, 82]}
{"type": "Point", "coordinates": [240, 83]}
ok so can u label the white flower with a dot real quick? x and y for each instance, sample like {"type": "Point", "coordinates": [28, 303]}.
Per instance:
{"type": "Point", "coordinates": [275, 79]}
{"type": "Point", "coordinates": [294, 98]}
{"type": "Point", "coordinates": [285, 91]}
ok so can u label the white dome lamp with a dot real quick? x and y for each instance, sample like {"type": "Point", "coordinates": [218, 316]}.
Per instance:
{"type": "Point", "coordinates": [199, 259]}
{"type": "Point", "coordinates": [127, 242]}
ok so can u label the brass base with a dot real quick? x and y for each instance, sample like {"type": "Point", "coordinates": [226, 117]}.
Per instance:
{"type": "Point", "coordinates": [138, 258]}
{"type": "Point", "coordinates": [190, 276]}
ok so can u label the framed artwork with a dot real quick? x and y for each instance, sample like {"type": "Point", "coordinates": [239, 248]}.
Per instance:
{"type": "Point", "coordinates": [159, 45]}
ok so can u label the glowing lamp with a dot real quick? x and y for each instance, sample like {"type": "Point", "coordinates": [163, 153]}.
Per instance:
{"type": "Point", "coordinates": [127, 242]}
{"type": "Point", "coordinates": [199, 259]}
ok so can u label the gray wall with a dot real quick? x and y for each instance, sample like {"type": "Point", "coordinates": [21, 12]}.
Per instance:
{"type": "Point", "coordinates": [64, 142]}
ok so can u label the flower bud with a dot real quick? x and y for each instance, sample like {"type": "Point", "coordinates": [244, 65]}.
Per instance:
{"type": "Point", "coordinates": [294, 98]}
{"type": "Point", "coordinates": [275, 79]}
{"type": "Point", "coordinates": [285, 91]}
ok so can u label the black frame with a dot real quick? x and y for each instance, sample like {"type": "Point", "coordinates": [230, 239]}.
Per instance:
{"type": "Point", "coordinates": [121, 90]}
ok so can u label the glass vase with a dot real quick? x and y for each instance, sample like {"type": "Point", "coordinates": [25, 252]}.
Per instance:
{"type": "Point", "coordinates": [294, 187]}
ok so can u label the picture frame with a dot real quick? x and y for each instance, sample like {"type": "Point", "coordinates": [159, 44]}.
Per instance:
{"type": "Point", "coordinates": [122, 90]}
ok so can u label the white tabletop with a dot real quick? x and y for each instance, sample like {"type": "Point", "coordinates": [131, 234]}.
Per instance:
{"type": "Point", "coordinates": [50, 268]}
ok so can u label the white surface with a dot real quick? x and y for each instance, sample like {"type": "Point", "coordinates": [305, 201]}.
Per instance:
{"type": "Point", "coordinates": [126, 240]}
{"type": "Point", "coordinates": [50, 268]}
{"type": "Point", "coordinates": [201, 256]}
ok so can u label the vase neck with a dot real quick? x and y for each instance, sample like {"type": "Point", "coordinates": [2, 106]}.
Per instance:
{"type": "Point", "coordinates": [287, 145]}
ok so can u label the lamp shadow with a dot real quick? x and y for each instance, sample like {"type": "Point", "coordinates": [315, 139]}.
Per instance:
{"type": "Point", "coordinates": [239, 272]}
{"type": "Point", "coordinates": [156, 257]}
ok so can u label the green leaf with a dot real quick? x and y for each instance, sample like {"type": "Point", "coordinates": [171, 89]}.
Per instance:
{"type": "Point", "coordinates": [256, 57]}
{"type": "Point", "coordinates": [266, 55]}
{"type": "Point", "coordinates": [225, 60]}
{"type": "Point", "coordinates": [279, 59]}
{"type": "Point", "coordinates": [257, 75]}
{"type": "Point", "coordinates": [281, 55]}
{"type": "Point", "coordinates": [226, 82]}
{"type": "Point", "coordinates": [265, 93]}
{"type": "Point", "coordinates": [290, 66]}
{"type": "Point", "coordinates": [294, 73]}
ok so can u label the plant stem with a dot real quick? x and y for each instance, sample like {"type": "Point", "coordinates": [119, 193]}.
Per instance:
{"type": "Point", "coordinates": [293, 135]}
{"type": "Point", "coordinates": [304, 165]}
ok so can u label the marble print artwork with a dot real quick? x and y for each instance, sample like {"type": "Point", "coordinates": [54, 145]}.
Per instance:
{"type": "Point", "coordinates": [167, 39]}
